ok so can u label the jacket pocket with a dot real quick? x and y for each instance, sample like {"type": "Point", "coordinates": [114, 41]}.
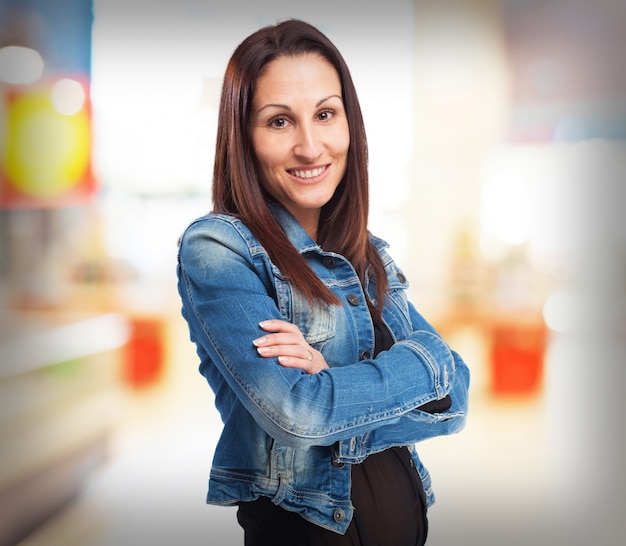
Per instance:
{"type": "Point", "coordinates": [317, 323]}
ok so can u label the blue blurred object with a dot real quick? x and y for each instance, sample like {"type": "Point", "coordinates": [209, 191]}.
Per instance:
{"type": "Point", "coordinates": [59, 30]}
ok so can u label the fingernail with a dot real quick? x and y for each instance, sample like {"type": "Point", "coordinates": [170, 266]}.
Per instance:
{"type": "Point", "coordinates": [264, 323]}
{"type": "Point", "coordinates": [258, 342]}
{"type": "Point", "coordinates": [263, 350]}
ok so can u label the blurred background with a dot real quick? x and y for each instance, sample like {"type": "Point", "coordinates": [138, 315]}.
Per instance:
{"type": "Point", "coordinates": [497, 136]}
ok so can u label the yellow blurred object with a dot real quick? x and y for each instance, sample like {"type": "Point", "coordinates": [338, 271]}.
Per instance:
{"type": "Point", "coordinates": [46, 153]}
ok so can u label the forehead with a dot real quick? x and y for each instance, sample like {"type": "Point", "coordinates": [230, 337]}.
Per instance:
{"type": "Point", "coordinates": [290, 74]}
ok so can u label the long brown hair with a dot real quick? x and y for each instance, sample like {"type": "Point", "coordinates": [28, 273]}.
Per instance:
{"type": "Point", "coordinates": [236, 188]}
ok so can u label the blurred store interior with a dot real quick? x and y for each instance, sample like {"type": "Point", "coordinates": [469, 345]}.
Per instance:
{"type": "Point", "coordinates": [497, 134]}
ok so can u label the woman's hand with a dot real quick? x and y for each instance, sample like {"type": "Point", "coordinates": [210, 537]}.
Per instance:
{"type": "Point", "coordinates": [286, 342]}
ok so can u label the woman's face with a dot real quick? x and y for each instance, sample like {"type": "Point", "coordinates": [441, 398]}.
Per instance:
{"type": "Point", "coordinates": [300, 134]}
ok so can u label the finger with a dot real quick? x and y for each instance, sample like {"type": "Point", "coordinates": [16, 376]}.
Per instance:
{"type": "Point", "coordinates": [313, 366]}
{"type": "Point", "coordinates": [291, 351]}
{"type": "Point", "coordinates": [291, 362]}
{"type": "Point", "coordinates": [301, 357]}
{"type": "Point", "coordinates": [278, 326]}
{"type": "Point", "coordinates": [299, 363]}
{"type": "Point", "coordinates": [279, 339]}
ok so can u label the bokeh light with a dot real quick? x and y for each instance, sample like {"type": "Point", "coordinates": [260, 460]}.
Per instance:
{"type": "Point", "coordinates": [20, 65]}
{"type": "Point", "coordinates": [68, 96]}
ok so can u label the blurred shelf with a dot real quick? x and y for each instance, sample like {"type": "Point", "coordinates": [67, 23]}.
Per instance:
{"type": "Point", "coordinates": [59, 376]}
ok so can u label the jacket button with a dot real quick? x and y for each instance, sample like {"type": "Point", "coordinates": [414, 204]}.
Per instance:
{"type": "Point", "coordinates": [365, 355]}
{"type": "Point", "coordinates": [329, 262]}
{"type": "Point", "coordinates": [353, 299]}
{"type": "Point", "coordinates": [339, 515]}
{"type": "Point", "coordinates": [401, 277]}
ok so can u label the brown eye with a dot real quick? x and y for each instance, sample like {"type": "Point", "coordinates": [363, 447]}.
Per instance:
{"type": "Point", "coordinates": [325, 115]}
{"type": "Point", "coordinates": [278, 123]}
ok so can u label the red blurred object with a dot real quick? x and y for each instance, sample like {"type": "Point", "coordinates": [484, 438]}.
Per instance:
{"type": "Point", "coordinates": [517, 358]}
{"type": "Point", "coordinates": [145, 353]}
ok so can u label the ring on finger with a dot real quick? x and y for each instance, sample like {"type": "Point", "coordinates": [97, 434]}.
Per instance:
{"type": "Point", "coordinates": [310, 357]}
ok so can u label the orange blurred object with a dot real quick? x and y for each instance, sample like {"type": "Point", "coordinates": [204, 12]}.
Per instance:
{"type": "Point", "coordinates": [517, 358]}
{"type": "Point", "coordinates": [145, 352]}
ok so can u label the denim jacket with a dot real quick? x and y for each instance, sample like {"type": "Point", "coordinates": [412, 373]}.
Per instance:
{"type": "Point", "coordinates": [290, 435]}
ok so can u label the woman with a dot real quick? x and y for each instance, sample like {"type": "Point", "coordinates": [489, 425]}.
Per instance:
{"type": "Point", "coordinates": [324, 374]}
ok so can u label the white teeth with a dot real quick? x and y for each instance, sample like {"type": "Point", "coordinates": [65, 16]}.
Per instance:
{"type": "Point", "coordinates": [308, 174]}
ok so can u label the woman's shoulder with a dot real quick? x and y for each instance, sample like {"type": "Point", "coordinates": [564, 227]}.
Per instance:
{"type": "Point", "coordinates": [214, 224]}
{"type": "Point", "coordinates": [221, 229]}
{"type": "Point", "coordinates": [382, 247]}
{"type": "Point", "coordinates": [378, 243]}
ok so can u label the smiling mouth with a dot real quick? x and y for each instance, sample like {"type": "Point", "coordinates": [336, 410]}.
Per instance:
{"type": "Point", "coordinates": [307, 173]}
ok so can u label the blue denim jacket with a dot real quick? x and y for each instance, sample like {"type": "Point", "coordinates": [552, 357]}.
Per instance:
{"type": "Point", "coordinates": [289, 435]}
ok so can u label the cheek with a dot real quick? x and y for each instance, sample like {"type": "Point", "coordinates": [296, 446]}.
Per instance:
{"type": "Point", "coordinates": [260, 151]}
{"type": "Point", "coordinates": [269, 154]}
{"type": "Point", "coordinates": [342, 141]}
{"type": "Point", "coordinates": [342, 149]}
{"type": "Point", "coordinates": [346, 145]}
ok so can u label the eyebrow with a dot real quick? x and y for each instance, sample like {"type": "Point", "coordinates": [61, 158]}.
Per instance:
{"type": "Point", "coordinates": [287, 107]}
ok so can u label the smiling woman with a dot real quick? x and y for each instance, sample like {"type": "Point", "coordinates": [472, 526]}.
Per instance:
{"type": "Point", "coordinates": [300, 140]}
{"type": "Point", "coordinates": [325, 375]}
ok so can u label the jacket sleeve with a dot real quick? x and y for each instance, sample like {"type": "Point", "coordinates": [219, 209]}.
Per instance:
{"type": "Point", "coordinates": [413, 427]}
{"type": "Point", "coordinates": [224, 298]}
{"type": "Point", "coordinates": [416, 425]}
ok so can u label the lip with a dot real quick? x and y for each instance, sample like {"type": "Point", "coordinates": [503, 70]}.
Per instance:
{"type": "Point", "coordinates": [313, 173]}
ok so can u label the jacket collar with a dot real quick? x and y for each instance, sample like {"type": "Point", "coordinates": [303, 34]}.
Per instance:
{"type": "Point", "coordinates": [300, 238]}
{"type": "Point", "coordinates": [295, 232]}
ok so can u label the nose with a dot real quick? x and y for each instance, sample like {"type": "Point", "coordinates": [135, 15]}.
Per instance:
{"type": "Point", "coordinates": [308, 145]}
